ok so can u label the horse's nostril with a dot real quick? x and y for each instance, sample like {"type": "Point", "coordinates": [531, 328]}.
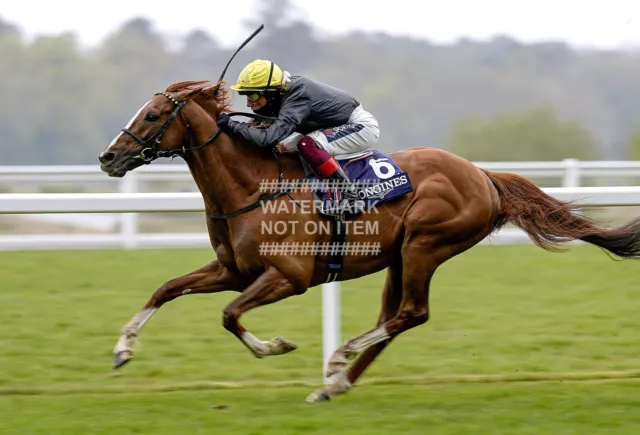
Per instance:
{"type": "Point", "coordinates": [107, 157]}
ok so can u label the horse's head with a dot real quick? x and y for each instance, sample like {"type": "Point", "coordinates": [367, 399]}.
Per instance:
{"type": "Point", "coordinates": [159, 128]}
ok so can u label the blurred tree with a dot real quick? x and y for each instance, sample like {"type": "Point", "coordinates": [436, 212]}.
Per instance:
{"type": "Point", "coordinates": [137, 65]}
{"type": "Point", "coordinates": [199, 47]}
{"type": "Point", "coordinates": [63, 105]}
{"type": "Point", "coordinates": [137, 51]}
{"type": "Point", "coordinates": [201, 58]}
{"type": "Point", "coordinates": [16, 137]}
{"type": "Point", "coordinates": [139, 56]}
{"type": "Point", "coordinates": [61, 117]}
{"type": "Point", "coordinates": [287, 39]}
{"type": "Point", "coordinates": [634, 147]}
{"type": "Point", "coordinates": [8, 29]}
{"type": "Point", "coordinates": [528, 136]}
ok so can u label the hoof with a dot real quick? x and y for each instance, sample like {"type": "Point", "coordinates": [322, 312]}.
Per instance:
{"type": "Point", "coordinates": [318, 396]}
{"type": "Point", "coordinates": [121, 358]}
{"type": "Point", "coordinates": [284, 345]}
{"type": "Point", "coordinates": [336, 385]}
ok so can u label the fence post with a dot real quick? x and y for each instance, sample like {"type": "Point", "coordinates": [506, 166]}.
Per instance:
{"type": "Point", "coordinates": [330, 322]}
{"type": "Point", "coordinates": [129, 221]}
{"type": "Point", "coordinates": [572, 176]}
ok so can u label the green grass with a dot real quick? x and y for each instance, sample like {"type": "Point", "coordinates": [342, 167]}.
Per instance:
{"type": "Point", "coordinates": [548, 408]}
{"type": "Point", "coordinates": [499, 315]}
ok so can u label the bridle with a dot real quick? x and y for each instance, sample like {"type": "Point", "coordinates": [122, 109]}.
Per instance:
{"type": "Point", "coordinates": [150, 151]}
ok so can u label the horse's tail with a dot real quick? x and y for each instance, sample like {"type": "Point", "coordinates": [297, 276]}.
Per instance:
{"type": "Point", "coordinates": [550, 222]}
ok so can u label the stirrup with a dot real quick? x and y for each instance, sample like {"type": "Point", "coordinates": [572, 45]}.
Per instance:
{"type": "Point", "coordinates": [345, 186]}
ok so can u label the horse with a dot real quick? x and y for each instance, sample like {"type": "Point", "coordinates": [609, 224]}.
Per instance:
{"type": "Point", "coordinates": [453, 206]}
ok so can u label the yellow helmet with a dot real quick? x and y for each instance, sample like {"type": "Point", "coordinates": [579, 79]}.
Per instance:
{"type": "Point", "coordinates": [259, 75]}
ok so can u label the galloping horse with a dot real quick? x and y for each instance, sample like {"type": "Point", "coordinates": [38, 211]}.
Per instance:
{"type": "Point", "coordinates": [454, 205]}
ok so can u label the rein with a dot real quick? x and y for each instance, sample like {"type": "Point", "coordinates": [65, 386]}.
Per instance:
{"type": "Point", "coordinates": [285, 191]}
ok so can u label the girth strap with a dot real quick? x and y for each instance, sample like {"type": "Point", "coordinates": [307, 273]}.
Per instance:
{"type": "Point", "coordinates": [336, 255]}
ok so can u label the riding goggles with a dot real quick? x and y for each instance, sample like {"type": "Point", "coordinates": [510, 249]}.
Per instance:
{"type": "Point", "coordinates": [252, 96]}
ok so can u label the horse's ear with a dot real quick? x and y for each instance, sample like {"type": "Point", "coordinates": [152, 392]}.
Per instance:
{"type": "Point", "coordinates": [190, 93]}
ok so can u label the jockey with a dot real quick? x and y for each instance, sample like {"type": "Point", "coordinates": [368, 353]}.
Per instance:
{"type": "Point", "coordinates": [317, 120]}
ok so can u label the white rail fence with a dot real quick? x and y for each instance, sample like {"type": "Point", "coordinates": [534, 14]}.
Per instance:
{"type": "Point", "coordinates": [35, 203]}
{"type": "Point", "coordinates": [568, 173]}
{"type": "Point", "coordinates": [129, 202]}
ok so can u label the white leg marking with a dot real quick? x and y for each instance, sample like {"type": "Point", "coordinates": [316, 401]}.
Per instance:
{"type": "Point", "coordinates": [376, 336]}
{"type": "Point", "coordinates": [337, 384]}
{"type": "Point", "coordinates": [131, 330]}
{"type": "Point", "coordinates": [277, 346]}
{"type": "Point", "coordinates": [352, 348]}
{"type": "Point", "coordinates": [257, 346]}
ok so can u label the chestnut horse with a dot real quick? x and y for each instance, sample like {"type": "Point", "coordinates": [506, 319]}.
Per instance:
{"type": "Point", "coordinates": [454, 205]}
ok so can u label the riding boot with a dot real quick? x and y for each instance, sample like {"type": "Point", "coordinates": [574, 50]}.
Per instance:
{"type": "Point", "coordinates": [326, 166]}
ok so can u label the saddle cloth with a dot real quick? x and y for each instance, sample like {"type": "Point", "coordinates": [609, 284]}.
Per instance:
{"type": "Point", "coordinates": [375, 175]}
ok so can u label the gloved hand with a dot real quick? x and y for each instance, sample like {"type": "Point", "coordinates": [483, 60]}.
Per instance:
{"type": "Point", "coordinates": [223, 121]}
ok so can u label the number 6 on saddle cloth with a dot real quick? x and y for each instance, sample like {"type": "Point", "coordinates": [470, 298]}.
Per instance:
{"type": "Point", "coordinates": [376, 177]}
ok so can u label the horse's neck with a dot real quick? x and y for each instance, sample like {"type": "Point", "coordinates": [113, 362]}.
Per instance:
{"type": "Point", "coordinates": [228, 173]}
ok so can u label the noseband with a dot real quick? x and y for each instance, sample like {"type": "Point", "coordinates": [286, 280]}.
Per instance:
{"type": "Point", "coordinates": [150, 151]}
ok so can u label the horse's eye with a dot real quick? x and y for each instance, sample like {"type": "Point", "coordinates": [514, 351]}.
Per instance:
{"type": "Point", "coordinates": [152, 117]}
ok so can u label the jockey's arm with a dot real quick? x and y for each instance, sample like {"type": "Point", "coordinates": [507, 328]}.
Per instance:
{"type": "Point", "coordinates": [294, 110]}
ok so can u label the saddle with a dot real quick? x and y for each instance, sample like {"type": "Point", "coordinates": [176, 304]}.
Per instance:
{"type": "Point", "coordinates": [376, 177]}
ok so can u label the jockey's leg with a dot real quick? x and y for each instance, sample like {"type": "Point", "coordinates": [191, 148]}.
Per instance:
{"type": "Point", "coordinates": [320, 147]}
{"type": "Point", "coordinates": [212, 278]}
{"type": "Point", "coordinates": [360, 133]}
{"type": "Point", "coordinates": [322, 163]}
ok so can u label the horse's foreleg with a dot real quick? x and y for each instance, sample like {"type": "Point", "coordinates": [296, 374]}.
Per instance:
{"type": "Point", "coordinates": [270, 287]}
{"type": "Point", "coordinates": [211, 278]}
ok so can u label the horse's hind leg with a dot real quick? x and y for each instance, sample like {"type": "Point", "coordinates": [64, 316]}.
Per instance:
{"type": "Point", "coordinates": [341, 377]}
{"type": "Point", "coordinates": [413, 310]}
{"type": "Point", "coordinates": [391, 297]}
{"type": "Point", "coordinates": [211, 278]}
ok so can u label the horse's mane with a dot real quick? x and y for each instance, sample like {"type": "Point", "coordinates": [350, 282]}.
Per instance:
{"type": "Point", "coordinates": [207, 92]}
